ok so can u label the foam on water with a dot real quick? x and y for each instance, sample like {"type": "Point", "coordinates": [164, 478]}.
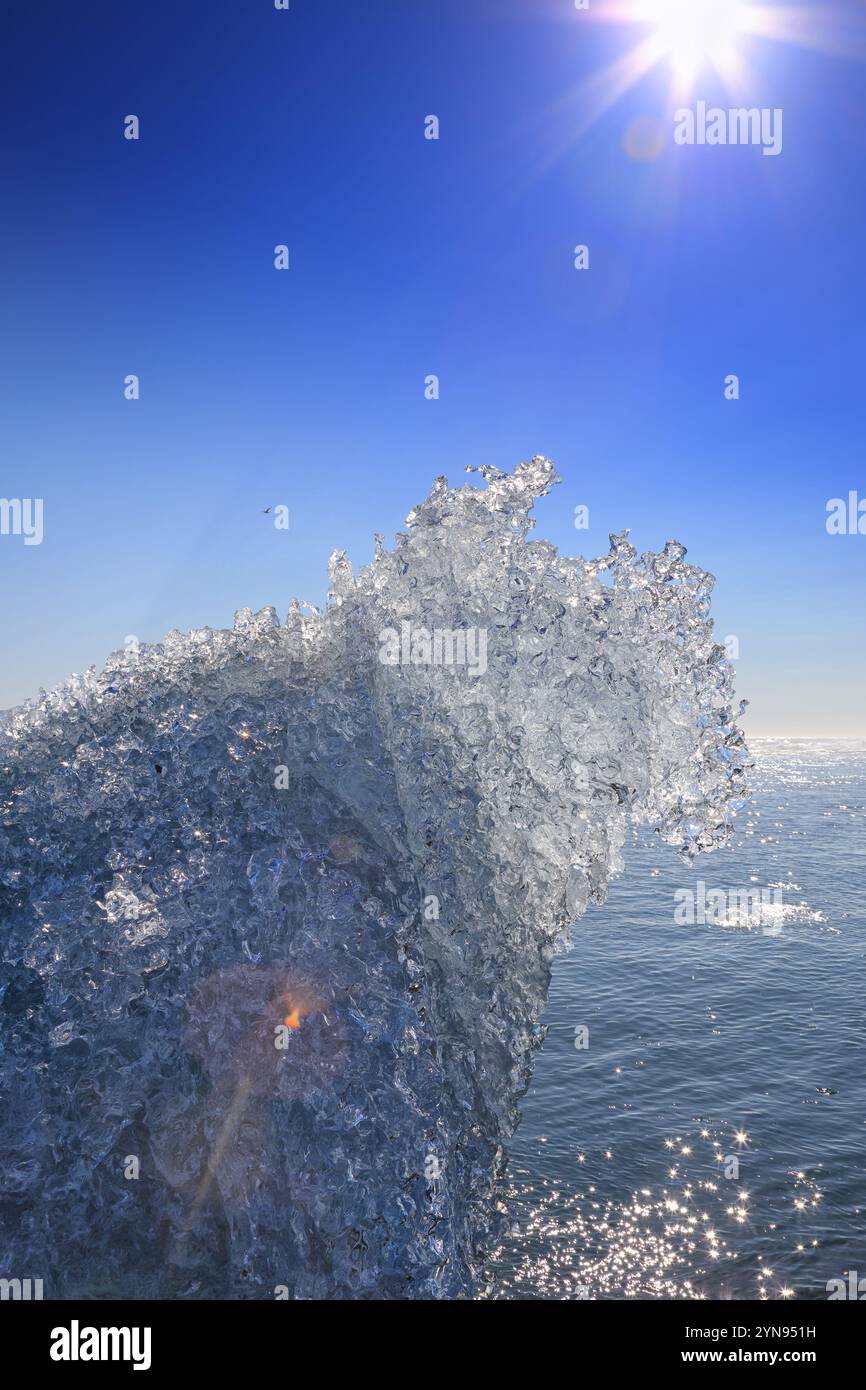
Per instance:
{"type": "Point", "coordinates": [269, 833]}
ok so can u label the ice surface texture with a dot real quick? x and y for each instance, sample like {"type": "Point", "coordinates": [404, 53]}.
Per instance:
{"type": "Point", "coordinates": [166, 907]}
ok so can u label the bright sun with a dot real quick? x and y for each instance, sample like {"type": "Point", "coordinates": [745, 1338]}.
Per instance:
{"type": "Point", "coordinates": [694, 32]}
{"type": "Point", "coordinates": [688, 37]}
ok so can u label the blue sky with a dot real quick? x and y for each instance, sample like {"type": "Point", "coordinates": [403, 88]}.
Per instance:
{"type": "Point", "coordinates": [411, 257]}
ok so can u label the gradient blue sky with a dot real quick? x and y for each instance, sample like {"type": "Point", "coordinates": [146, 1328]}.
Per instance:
{"type": "Point", "coordinates": [412, 257]}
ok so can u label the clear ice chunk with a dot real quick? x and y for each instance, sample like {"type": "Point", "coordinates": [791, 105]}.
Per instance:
{"type": "Point", "coordinates": [278, 914]}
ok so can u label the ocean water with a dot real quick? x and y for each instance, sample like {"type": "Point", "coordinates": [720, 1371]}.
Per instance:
{"type": "Point", "coordinates": [708, 1043]}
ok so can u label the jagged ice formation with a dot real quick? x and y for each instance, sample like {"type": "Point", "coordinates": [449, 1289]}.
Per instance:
{"type": "Point", "coordinates": [235, 838]}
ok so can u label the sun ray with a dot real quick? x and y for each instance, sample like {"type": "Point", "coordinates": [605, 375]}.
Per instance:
{"type": "Point", "coordinates": [832, 30]}
{"type": "Point", "coordinates": [692, 34]}
{"type": "Point", "coordinates": [695, 36]}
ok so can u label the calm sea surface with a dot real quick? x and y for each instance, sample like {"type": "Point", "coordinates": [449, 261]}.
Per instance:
{"type": "Point", "coordinates": [711, 1139]}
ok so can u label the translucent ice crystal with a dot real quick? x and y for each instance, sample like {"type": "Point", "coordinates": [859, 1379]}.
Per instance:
{"type": "Point", "coordinates": [278, 913]}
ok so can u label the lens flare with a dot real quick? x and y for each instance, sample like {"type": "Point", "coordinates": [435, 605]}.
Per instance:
{"type": "Point", "coordinates": [692, 33]}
